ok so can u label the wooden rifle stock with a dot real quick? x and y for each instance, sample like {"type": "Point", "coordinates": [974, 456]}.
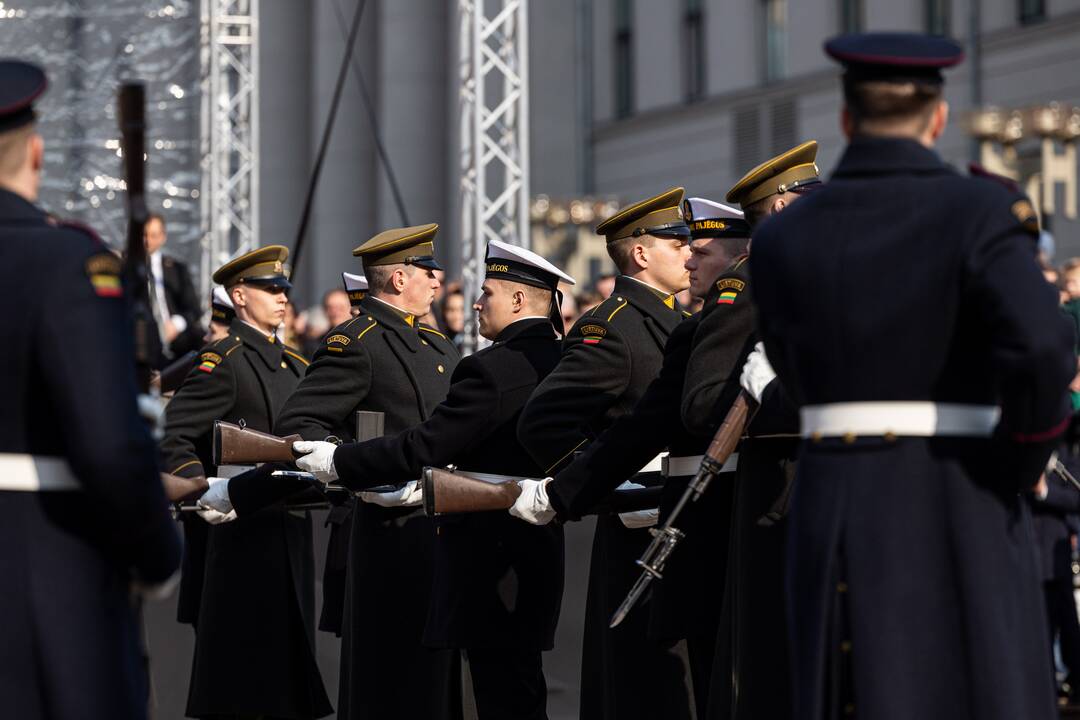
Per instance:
{"type": "Point", "coordinates": [235, 445]}
{"type": "Point", "coordinates": [447, 492]}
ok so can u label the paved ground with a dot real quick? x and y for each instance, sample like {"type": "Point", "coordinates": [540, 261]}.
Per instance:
{"type": "Point", "coordinates": [171, 644]}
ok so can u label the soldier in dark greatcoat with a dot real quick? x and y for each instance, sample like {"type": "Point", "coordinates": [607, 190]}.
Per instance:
{"type": "Point", "coordinates": [82, 511]}
{"type": "Point", "coordinates": [903, 310]}
{"type": "Point", "coordinates": [610, 356]}
{"type": "Point", "coordinates": [255, 628]}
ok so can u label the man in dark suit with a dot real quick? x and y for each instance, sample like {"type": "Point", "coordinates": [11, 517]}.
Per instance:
{"type": "Point", "coordinates": [383, 360]}
{"type": "Point", "coordinates": [176, 305]}
{"type": "Point", "coordinates": [926, 406]}
{"type": "Point", "coordinates": [684, 604]}
{"type": "Point", "coordinates": [254, 619]}
{"type": "Point", "coordinates": [498, 582]}
{"type": "Point", "coordinates": [610, 356]}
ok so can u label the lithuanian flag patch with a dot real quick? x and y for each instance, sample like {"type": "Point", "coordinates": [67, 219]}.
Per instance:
{"type": "Point", "coordinates": [209, 361]}
{"type": "Point", "coordinates": [727, 297]}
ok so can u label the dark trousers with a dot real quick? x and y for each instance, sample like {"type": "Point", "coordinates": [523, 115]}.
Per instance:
{"type": "Point", "coordinates": [508, 684]}
{"type": "Point", "coordinates": [1061, 614]}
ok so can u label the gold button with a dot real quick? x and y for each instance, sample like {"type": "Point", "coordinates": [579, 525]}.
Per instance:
{"type": "Point", "coordinates": [849, 437]}
{"type": "Point", "coordinates": [283, 364]}
{"type": "Point", "coordinates": [890, 436]}
{"type": "Point", "coordinates": [845, 646]}
{"type": "Point", "coordinates": [423, 342]}
{"type": "Point", "coordinates": [441, 369]}
{"type": "Point", "coordinates": [841, 587]}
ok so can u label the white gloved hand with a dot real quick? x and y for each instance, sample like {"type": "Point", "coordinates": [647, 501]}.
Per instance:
{"type": "Point", "coordinates": [318, 459]}
{"type": "Point", "coordinates": [532, 504]}
{"type": "Point", "coordinates": [217, 497]}
{"type": "Point", "coordinates": [637, 518]}
{"type": "Point", "coordinates": [757, 373]}
{"type": "Point", "coordinates": [214, 517]}
{"type": "Point", "coordinates": [411, 494]}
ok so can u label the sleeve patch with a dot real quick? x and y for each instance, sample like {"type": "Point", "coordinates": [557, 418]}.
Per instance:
{"type": "Point", "coordinates": [595, 330]}
{"type": "Point", "coordinates": [339, 339]}
{"type": "Point", "coordinates": [730, 284]}
{"type": "Point", "coordinates": [727, 297]}
{"type": "Point", "coordinates": [103, 270]}
{"type": "Point", "coordinates": [207, 366]}
{"type": "Point", "coordinates": [1026, 215]}
{"type": "Point", "coordinates": [210, 357]}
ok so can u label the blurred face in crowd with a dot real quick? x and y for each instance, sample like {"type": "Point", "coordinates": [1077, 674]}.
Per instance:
{"type": "Point", "coordinates": [454, 312]}
{"type": "Point", "coordinates": [605, 286]}
{"type": "Point", "coordinates": [1072, 284]}
{"type": "Point", "coordinates": [499, 304]}
{"type": "Point", "coordinates": [569, 309]}
{"type": "Point", "coordinates": [261, 306]}
{"type": "Point", "coordinates": [665, 264]}
{"type": "Point", "coordinates": [708, 258]}
{"type": "Point", "coordinates": [417, 287]}
{"type": "Point", "coordinates": [215, 332]}
{"type": "Point", "coordinates": [154, 235]}
{"type": "Point", "coordinates": [336, 307]}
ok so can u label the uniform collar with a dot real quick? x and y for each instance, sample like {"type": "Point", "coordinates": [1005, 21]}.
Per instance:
{"type": "Point", "coordinates": [267, 346]}
{"type": "Point", "coordinates": [648, 300]}
{"type": "Point", "coordinates": [15, 207]}
{"type": "Point", "coordinates": [393, 319]}
{"type": "Point", "coordinates": [887, 156]}
{"type": "Point", "coordinates": [526, 326]}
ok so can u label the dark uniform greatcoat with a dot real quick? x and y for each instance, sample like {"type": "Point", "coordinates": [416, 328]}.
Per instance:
{"type": "Point", "coordinates": [255, 634]}
{"type": "Point", "coordinates": [498, 581]}
{"type": "Point", "coordinates": [912, 583]}
{"type": "Point", "coordinates": [749, 673]}
{"type": "Point", "coordinates": [610, 357]}
{"type": "Point", "coordinates": [70, 646]}
{"type": "Point", "coordinates": [379, 362]}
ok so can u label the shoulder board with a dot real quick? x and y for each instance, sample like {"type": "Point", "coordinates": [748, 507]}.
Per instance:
{"type": "Point", "coordinates": [296, 356]}
{"type": "Point", "coordinates": [433, 331]}
{"type": "Point", "coordinates": [609, 308]}
{"type": "Point", "coordinates": [79, 227]}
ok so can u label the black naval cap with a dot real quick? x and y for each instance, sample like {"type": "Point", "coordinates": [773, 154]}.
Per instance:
{"type": "Point", "coordinates": [894, 57]}
{"type": "Point", "coordinates": [20, 85]}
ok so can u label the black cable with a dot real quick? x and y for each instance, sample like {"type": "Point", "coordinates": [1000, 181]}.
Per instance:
{"type": "Point", "coordinates": [334, 103]}
{"type": "Point", "coordinates": [384, 157]}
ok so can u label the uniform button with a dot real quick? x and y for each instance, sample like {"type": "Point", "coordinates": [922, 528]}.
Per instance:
{"type": "Point", "coordinates": [441, 369]}
{"type": "Point", "coordinates": [283, 364]}
{"type": "Point", "coordinates": [423, 342]}
{"type": "Point", "coordinates": [849, 438]}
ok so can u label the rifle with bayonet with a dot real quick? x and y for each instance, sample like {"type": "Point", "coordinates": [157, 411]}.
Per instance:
{"type": "Point", "coordinates": [667, 536]}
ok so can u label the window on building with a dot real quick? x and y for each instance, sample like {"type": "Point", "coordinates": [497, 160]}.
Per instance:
{"type": "Point", "coordinates": [775, 24]}
{"type": "Point", "coordinates": [1032, 11]}
{"type": "Point", "coordinates": [937, 18]}
{"type": "Point", "coordinates": [747, 151]}
{"type": "Point", "coordinates": [624, 58]}
{"type": "Point", "coordinates": [851, 16]}
{"type": "Point", "coordinates": [694, 50]}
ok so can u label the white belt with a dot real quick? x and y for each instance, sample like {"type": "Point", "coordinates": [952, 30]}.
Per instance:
{"type": "Point", "coordinates": [690, 464]}
{"type": "Point", "coordinates": [34, 473]}
{"type": "Point", "coordinates": [655, 465]}
{"type": "Point", "coordinates": [898, 419]}
{"type": "Point", "coordinates": [231, 471]}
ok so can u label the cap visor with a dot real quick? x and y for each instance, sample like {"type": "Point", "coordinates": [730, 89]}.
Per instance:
{"type": "Point", "coordinates": [428, 263]}
{"type": "Point", "coordinates": [281, 282]}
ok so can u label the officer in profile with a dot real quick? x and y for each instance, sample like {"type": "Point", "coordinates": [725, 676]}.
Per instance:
{"type": "Point", "coordinates": [902, 307]}
{"type": "Point", "coordinates": [254, 616]}
{"type": "Point", "coordinates": [498, 582]}
{"type": "Point", "coordinates": [83, 515]}
{"type": "Point", "coordinates": [610, 356]}
{"type": "Point", "coordinates": [384, 360]}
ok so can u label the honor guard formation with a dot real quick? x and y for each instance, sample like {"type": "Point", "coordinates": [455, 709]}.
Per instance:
{"type": "Point", "coordinates": [832, 491]}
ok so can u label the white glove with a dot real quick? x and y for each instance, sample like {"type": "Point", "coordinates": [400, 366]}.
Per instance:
{"type": "Point", "coordinates": [217, 497]}
{"type": "Point", "coordinates": [532, 504]}
{"type": "Point", "coordinates": [757, 373]}
{"type": "Point", "coordinates": [410, 495]}
{"type": "Point", "coordinates": [638, 518]}
{"type": "Point", "coordinates": [214, 517]}
{"type": "Point", "coordinates": [318, 459]}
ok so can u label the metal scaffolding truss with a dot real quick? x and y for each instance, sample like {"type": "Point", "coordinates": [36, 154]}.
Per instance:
{"type": "Point", "coordinates": [494, 112]}
{"type": "Point", "coordinates": [230, 131]}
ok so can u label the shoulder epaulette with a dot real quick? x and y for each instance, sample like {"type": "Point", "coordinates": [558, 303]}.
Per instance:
{"type": "Point", "coordinates": [295, 354]}
{"type": "Point", "coordinates": [609, 308]}
{"type": "Point", "coordinates": [433, 331]}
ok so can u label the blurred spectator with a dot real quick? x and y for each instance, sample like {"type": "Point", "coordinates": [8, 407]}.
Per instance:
{"type": "Point", "coordinates": [1070, 285]}
{"type": "Point", "coordinates": [605, 285]}
{"type": "Point", "coordinates": [453, 316]}
{"type": "Point", "coordinates": [176, 307]}
{"type": "Point", "coordinates": [688, 302]}
{"type": "Point", "coordinates": [311, 326]}
{"type": "Point", "coordinates": [288, 330]}
{"type": "Point", "coordinates": [569, 308]}
{"type": "Point", "coordinates": [587, 300]}
{"type": "Point", "coordinates": [336, 307]}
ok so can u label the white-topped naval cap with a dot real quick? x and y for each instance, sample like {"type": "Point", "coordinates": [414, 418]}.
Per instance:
{"type": "Point", "coordinates": [220, 297]}
{"type": "Point", "coordinates": [354, 282]}
{"type": "Point", "coordinates": [708, 218]}
{"type": "Point", "coordinates": [518, 264]}
{"type": "Point", "coordinates": [697, 208]}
